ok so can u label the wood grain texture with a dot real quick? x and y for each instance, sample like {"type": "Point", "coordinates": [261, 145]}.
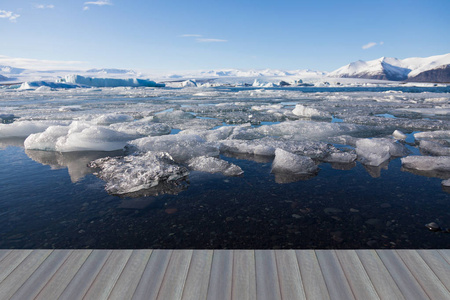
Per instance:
{"type": "Point", "coordinates": [438, 264]}
{"type": "Point", "coordinates": [11, 261]}
{"type": "Point", "coordinates": [406, 282]}
{"type": "Point", "coordinates": [42, 275]}
{"type": "Point", "coordinates": [4, 253]}
{"type": "Point", "coordinates": [153, 275]}
{"type": "Point", "coordinates": [291, 285]}
{"type": "Point", "coordinates": [429, 282]}
{"type": "Point", "coordinates": [64, 275]}
{"type": "Point", "coordinates": [313, 281]}
{"type": "Point", "coordinates": [22, 272]}
{"type": "Point", "coordinates": [81, 282]}
{"type": "Point", "coordinates": [221, 275]}
{"type": "Point", "coordinates": [379, 276]}
{"type": "Point", "coordinates": [130, 276]}
{"type": "Point", "coordinates": [103, 284]}
{"type": "Point", "coordinates": [267, 282]}
{"type": "Point", "coordinates": [244, 275]}
{"type": "Point", "coordinates": [175, 278]}
{"type": "Point", "coordinates": [337, 284]}
{"type": "Point", "coordinates": [197, 281]}
{"type": "Point", "coordinates": [356, 275]}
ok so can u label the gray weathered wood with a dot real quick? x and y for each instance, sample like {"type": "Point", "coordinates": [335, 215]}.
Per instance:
{"type": "Point", "coordinates": [291, 284]}
{"type": "Point", "coordinates": [313, 281]}
{"type": "Point", "coordinates": [379, 276]}
{"type": "Point", "coordinates": [103, 284]}
{"type": "Point", "coordinates": [61, 279]}
{"type": "Point", "coordinates": [153, 275]}
{"type": "Point", "coordinates": [438, 264]}
{"type": "Point", "coordinates": [406, 282]}
{"type": "Point", "coordinates": [131, 274]}
{"type": "Point", "coordinates": [197, 281]}
{"type": "Point", "coordinates": [429, 282]}
{"type": "Point", "coordinates": [221, 275]}
{"type": "Point", "coordinates": [4, 253]}
{"type": "Point", "coordinates": [334, 276]}
{"type": "Point", "coordinates": [11, 261]}
{"type": "Point", "coordinates": [22, 272]}
{"type": "Point", "coordinates": [173, 283]}
{"type": "Point", "coordinates": [356, 275]}
{"type": "Point", "coordinates": [445, 253]}
{"type": "Point", "coordinates": [244, 275]}
{"type": "Point", "coordinates": [267, 282]}
{"type": "Point", "coordinates": [42, 275]}
{"type": "Point", "coordinates": [81, 282]}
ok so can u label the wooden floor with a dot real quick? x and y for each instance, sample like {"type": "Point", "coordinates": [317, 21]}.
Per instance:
{"type": "Point", "coordinates": [224, 274]}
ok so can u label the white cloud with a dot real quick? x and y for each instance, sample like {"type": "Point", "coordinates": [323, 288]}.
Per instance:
{"type": "Point", "coordinates": [371, 44]}
{"type": "Point", "coordinates": [99, 3]}
{"type": "Point", "coordinates": [202, 40]}
{"type": "Point", "coordinates": [191, 35]}
{"type": "Point", "coordinates": [44, 6]}
{"type": "Point", "coordinates": [8, 15]}
{"type": "Point", "coordinates": [40, 64]}
{"type": "Point", "coordinates": [86, 8]}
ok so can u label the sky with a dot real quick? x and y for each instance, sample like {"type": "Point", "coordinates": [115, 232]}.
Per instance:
{"type": "Point", "coordinates": [172, 35]}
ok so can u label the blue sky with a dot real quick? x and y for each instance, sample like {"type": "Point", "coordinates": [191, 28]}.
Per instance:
{"type": "Point", "coordinates": [191, 35]}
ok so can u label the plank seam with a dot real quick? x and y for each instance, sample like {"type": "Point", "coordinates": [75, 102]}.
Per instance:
{"type": "Point", "coordinates": [300, 273]}
{"type": "Point", "coordinates": [118, 277]}
{"type": "Point", "coordinates": [365, 270]}
{"type": "Point", "coordinates": [421, 256]}
{"type": "Point", "coordinates": [16, 266]}
{"type": "Point", "coordinates": [187, 275]}
{"type": "Point", "coordinates": [51, 278]}
{"type": "Point", "coordinates": [165, 274]}
{"type": "Point", "coordinates": [321, 271]}
{"type": "Point", "coordinates": [443, 256]}
{"type": "Point", "coordinates": [278, 273]}
{"type": "Point", "coordinates": [96, 276]}
{"type": "Point", "coordinates": [210, 272]}
{"type": "Point", "coordinates": [140, 280]}
{"type": "Point", "coordinates": [9, 251]}
{"type": "Point", "coordinates": [232, 272]}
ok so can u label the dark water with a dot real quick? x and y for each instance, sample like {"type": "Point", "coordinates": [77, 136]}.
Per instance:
{"type": "Point", "coordinates": [41, 207]}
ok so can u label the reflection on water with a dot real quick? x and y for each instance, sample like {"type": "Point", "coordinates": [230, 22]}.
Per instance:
{"type": "Point", "coordinates": [75, 162]}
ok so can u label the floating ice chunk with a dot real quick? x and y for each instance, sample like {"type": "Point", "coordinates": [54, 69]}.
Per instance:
{"type": "Point", "coordinates": [309, 112]}
{"type": "Point", "coordinates": [25, 128]}
{"type": "Point", "coordinates": [180, 147]}
{"type": "Point", "coordinates": [446, 183]}
{"type": "Point", "coordinates": [133, 173]}
{"type": "Point", "coordinates": [427, 163]}
{"type": "Point", "coordinates": [341, 157]}
{"type": "Point", "coordinates": [398, 135]}
{"type": "Point", "coordinates": [374, 152]}
{"type": "Point", "coordinates": [434, 149]}
{"type": "Point", "coordinates": [214, 165]}
{"type": "Point", "coordinates": [286, 162]}
{"type": "Point", "coordinates": [32, 85]}
{"type": "Point", "coordinates": [112, 118]}
{"type": "Point", "coordinates": [109, 82]}
{"type": "Point", "coordinates": [189, 83]}
{"type": "Point", "coordinates": [173, 116]}
{"type": "Point", "coordinates": [438, 134]}
{"type": "Point", "coordinates": [142, 128]}
{"type": "Point", "coordinates": [77, 137]}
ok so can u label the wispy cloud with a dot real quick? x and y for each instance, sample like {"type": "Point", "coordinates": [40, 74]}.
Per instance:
{"type": "Point", "coordinates": [199, 38]}
{"type": "Point", "coordinates": [9, 15]}
{"type": "Point", "coordinates": [39, 64]}
{"type": "Point", "coordinates": [371, 44]}
{"type": "Point", "coordinates": [44, 6]}
{"type": "Point", "coordinates": [202, 40]}
{"type": "Point", "coordinates": [98, 3]}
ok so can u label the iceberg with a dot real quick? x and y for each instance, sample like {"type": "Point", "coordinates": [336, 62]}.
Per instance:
{"type": "Point", "coordinates": [108, 82]}
{"type": "Point", "coordinates": [286, 162]}
{"type": "Point", "coordinates": [309, 112]}
{"type": "Point", "coordinates": [140, 171]}
{"type": "Point", "coordinates": [214, 165]}
{"type": "Point", "coordinates": [25, 128]}
{"type": "Point", "coordinates": [374, 152]}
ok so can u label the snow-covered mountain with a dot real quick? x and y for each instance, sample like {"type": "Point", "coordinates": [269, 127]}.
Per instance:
{"type": "Point", "coordinates": [10, 70]}
{"type": "Point", "coordinates": [247, 73]}
{"type": "Point", "coordinates": [433, 69]}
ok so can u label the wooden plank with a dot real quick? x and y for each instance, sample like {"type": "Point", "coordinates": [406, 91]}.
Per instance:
{"type": "Point", "coordinates": [356, 275]}
{"type": "Point", "coordinates": [175, 277]}
{"type": "Point", "coordinates": [129, 279]}
{"type": "Point", "coordinates": [445, 253]}
{"type": "Point", "coordinates": [291, 285]}
{"type": "Point", "coordinates": [438, 264]}
{"type": "Point", "coordinates": [197, 281]}
{"type": "Point", "coordinates": [313, 281]}
{"type": "Point", "coordinates": [380, 277]}
{"type": "Point", "coordinates": [42, 275]}
{"type": "Point", "coordinates": [221, 275]}
{"type": "Point", "coordinates": [334, 276]}
{"type": "Point", "coordinates": [61, 279]}
{"type": "Point", "coordinates": [108, 275]}
{"type": "Point", "coordinates": [4, 253]}
{"type": "Point", "coordinates": [267, 282]}
{"type": "Point", "coordinates": [244, 275]}
{"type": "Point", "coordinates": [11, 261]}
{"type": "Point", "coordinates": [424, 275]}
{"type": "Point", "coordinates": [153, 275]}
{"type": "Point", "coordinates": [406, 282]}
{"type": "Point", "coordinates": [81, 282]}
{"type": "Point", "coordinates": [22, 272]}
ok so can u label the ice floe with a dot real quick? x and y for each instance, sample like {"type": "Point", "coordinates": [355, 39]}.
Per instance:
{"type": "Point", "coordinates": [434, 166]}
{"type": "Point", "coordinates": [214, 165]}
{"type": "Point", "coordinates": [374, 152]}
{"type": "Point", "coordinates": [286, 162]}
